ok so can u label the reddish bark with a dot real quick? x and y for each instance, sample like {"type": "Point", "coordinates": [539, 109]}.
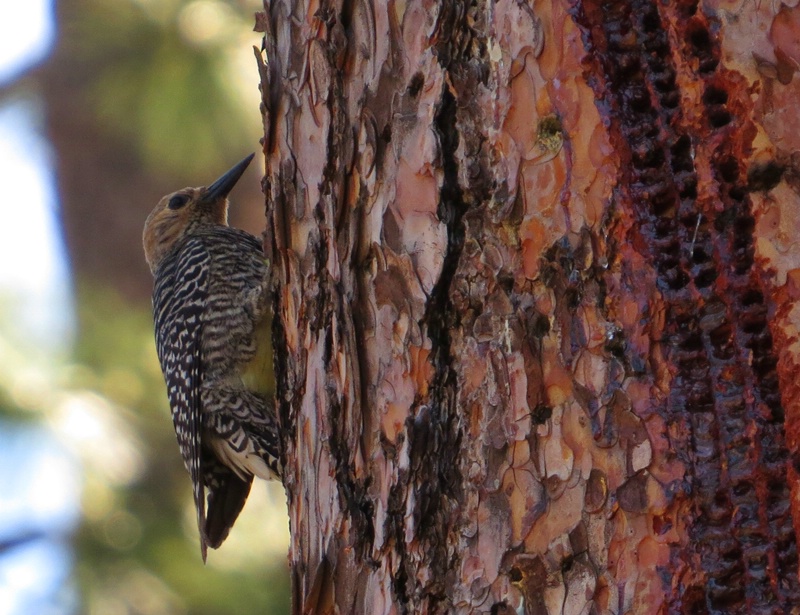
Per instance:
{"type": "Point", "coordinates": [530, 272]}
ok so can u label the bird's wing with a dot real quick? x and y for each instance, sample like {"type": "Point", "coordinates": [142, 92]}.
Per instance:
{"type": "Point", "coordinates": [179, 298]}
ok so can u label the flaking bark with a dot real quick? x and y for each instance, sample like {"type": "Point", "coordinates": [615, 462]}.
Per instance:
{"type": "Point", "coordinates": [531, 315]}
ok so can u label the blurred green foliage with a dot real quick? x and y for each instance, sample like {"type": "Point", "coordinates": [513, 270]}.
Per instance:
{"type": "Point", "coordinates": [137, 548]}
{"type": "Point", "coordinates": [168, 76]}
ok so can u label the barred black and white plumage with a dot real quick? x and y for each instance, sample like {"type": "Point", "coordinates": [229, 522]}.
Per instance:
{"type": "Point", "coordinates": [212, 336]}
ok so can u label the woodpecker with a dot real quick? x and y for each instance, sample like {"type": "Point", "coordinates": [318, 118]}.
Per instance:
{"type": "Point", "coordinates": [212, 326]}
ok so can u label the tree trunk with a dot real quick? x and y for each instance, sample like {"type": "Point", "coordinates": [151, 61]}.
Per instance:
{"type": "Point", "coordinates": [535, 323]}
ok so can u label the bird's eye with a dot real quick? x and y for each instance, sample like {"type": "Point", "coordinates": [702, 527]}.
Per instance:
{"type": "Point", "coordinates": [178, 201]}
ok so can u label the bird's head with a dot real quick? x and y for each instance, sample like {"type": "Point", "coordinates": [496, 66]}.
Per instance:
{"type": "Point", "coordinates": [180, 212]}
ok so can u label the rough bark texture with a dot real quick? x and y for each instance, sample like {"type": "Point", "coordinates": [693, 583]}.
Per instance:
{"type": "Point", "coordinates": [535, 281]}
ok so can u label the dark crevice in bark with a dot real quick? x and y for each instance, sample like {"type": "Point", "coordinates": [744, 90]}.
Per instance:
{"type": "Point", "coordinates": [396, 528]}
{"type": "Point", "coordinates": [434, 435]}
{"type": "Point", "coordinates": [725, 392]}
{"type": "Point", "coordinates": [288, 427]}
{"type": "Point", "coordinates": [353, 493]}
{"type": "Point", "coordinates": [280, 358]}
{"type": "Point", "coordinates": [334, 299]}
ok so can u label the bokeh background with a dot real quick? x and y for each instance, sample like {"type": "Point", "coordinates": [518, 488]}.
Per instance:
{"type": "Point", "coordinates": [105, 105]}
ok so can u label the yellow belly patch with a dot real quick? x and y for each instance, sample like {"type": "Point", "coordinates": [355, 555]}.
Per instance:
{"type": "Point", "coordinates": [258, 375]}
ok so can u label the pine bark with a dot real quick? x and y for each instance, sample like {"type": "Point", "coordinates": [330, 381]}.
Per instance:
{"type": "Point", "coordinates": [535, 286]}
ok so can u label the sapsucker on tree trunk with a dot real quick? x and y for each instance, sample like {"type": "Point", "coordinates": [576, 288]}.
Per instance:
{"type": "Point", "coordinates": [213, 339]}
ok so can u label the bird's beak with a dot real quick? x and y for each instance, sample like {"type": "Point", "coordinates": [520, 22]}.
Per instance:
{"type": "Point", "coordinates": [220, 188]}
